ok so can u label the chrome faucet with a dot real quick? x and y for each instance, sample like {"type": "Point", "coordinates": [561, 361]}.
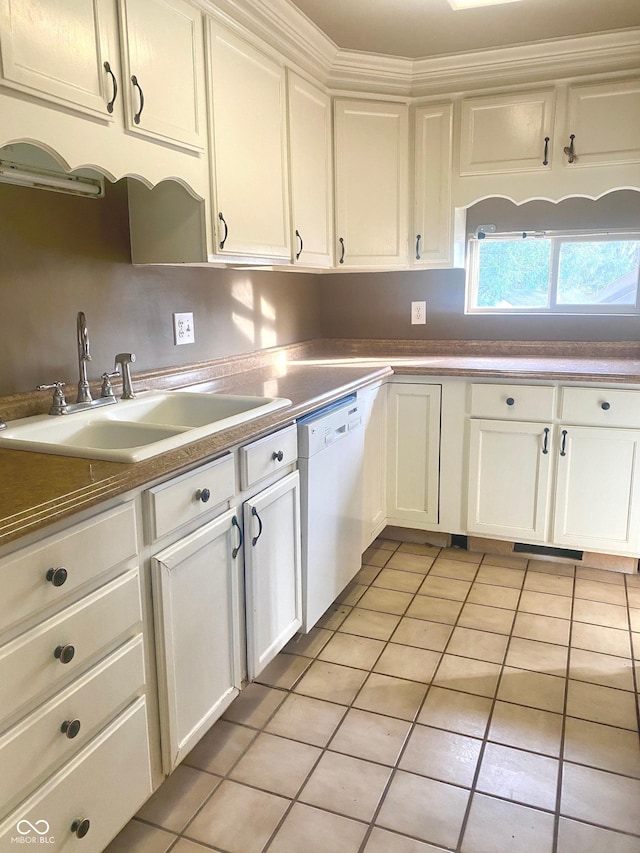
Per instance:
{"type": "Point", "coordinates": [84, 393]}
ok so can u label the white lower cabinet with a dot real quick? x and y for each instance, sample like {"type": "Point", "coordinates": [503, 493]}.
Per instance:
{"type": "Point", "coordinates": [272, 570]}
{"type": "Point", "coordinates": [197, 632]}
{"type": "Point", "coordinates": [598, 489]}
{"type": "Point", "coordinates": [413, 458]}
{"type": "Point", "coordinates": [509, 477]}
{"type": "Point", "coordinates": [374, 472]}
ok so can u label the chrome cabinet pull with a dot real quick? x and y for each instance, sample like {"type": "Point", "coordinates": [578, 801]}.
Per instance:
{"type": "Point", "coordinates": [114, 83]}
{"type": "Point", "coordinates": [418, 238]}
{"type": "Point", "coordinates": [341, 241]}
{"type": "Point", "coordinates": [545, 443]}
{"type": "Point", "coordinates": [235, 523]}
{"type": "Point", "coordinates": [254, 513]}
{"type": "Point", "coordinates": [299, 252]}
{"type": "Point", "coordinates": [545, 162]}
{"type": "Point", "coordinates": [226, 231]}
{"type": "Point", "coordinates": [136, 117]}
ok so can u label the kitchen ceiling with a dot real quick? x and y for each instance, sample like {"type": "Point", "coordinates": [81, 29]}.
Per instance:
{"type": "Point", "coordinates": [421, 28]}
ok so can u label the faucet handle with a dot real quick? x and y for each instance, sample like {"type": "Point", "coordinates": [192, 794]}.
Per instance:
{"type": "Point", "coordinates": [107, 390]}
{"type": "Point", "coordinates": [59, 404]}
{"type": "Point", "coordinates": [125, 360]}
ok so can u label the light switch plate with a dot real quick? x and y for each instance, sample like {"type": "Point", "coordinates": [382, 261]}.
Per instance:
{"type": "Point", "coordinates": [183, 331]}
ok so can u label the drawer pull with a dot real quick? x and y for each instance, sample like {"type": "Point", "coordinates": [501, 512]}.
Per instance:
{"type": "Point", "coordinates": [563, 451]}
{"type": "Point", "coordinates": [605, 406]}
{"type": "Point", "coordinates": [70, 728]}
{"type": "Point", "coordinates": [65, 653]}
{"type": "Point", "coordinates": [510, 401]}
{"type": "Point", "coordinates": [235, 523]}
{"type": "Point", "coordinates": [57, 576]}
{"type": "Point", "coordinates": [80, 827]}
{"type": "Point", "coordinates": [254, 512]}
{"type": "Point", "coordinates": [203, 495]}
{"type": "Point", "coordinates": [277, 456]}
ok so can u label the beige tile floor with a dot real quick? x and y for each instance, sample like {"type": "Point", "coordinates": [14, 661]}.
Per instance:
{"type": "Point", "coordinates": [449, 701]}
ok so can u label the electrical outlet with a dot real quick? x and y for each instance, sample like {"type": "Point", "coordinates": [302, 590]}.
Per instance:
{"type": "Point", "coordinates": [183, 331]}
{"type": "Point", "coordinates": [418, 313]}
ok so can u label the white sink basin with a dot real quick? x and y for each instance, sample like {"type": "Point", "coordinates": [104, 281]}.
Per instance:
{"type": "Point", "coordinates": [137, 429]}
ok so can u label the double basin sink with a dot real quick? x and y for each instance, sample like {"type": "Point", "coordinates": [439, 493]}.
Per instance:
{"type": "Point", "coordinates": [132, 430]}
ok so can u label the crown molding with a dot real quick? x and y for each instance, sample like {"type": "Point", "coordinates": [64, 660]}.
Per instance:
{"type": "Point", "coordinates": [286, 30]}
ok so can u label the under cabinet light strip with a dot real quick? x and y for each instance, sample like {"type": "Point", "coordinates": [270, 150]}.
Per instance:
{"type": "Point", "coordinates": [73, 185]}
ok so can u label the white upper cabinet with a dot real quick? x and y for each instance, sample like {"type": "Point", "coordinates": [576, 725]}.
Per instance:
{"type": "Point", "coordinates": [310, 166]}
{"type": "Point", "coordinates": [249, 139]}
{"type": "Point", "coordinates": [57, 51]}
{"type": "Point", "coordinates": [163, 65]}
{"type": "Point", "coordinates": [604, 119]}
{"type": "Point", "coordinates": [437, 235]}
{"type": "Point", "coordinates": [507, 133]}
{"type": "Point", "coordinates": [371, 180]}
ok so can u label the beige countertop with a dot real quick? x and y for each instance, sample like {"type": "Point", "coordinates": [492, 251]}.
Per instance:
{"type": "Point", "coordinates": [36, 489]}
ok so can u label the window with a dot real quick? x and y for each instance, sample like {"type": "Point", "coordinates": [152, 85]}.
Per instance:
{"type": "Point", "coordinates": [552, 272]}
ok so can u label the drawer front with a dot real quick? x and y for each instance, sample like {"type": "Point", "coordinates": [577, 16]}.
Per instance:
{"type": "Point", "coordinates": [513, 402]}
{"type": "Point", "coordinates": [601, 407]}
{"type": "Point", "coordinates": [84, 552]}
{"type": "Point", "coordinates": [28, 666]}
{"type": "Point", "coordinates": [105, 784]}
{"type": "Point", "coordinates": [190, 496]}
{"type": "Point", "coordinates": [37, 746]}
{"type": "Point", "coordinates": [268, 455]}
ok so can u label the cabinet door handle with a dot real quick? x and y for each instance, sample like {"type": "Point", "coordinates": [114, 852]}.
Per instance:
{"type": "Point", "coordinates": [563, 447]}
{"type": "Point", "coordinates": [569, 149]}
{"type": "Point", "coordinates": [545, 162]}
{"type": "Point", "coordinates": [299, 252]}
{"type": "Point", "coordinates": [235, 523]}
{"type": "Point", "coordinates": [70, 728]}
{"type": "Point", "coordinates": [80, 827]}
{"type": "Point", "coordinates": [114, 83]}
{"type": "Point", "coordinates": [136, 117]}
{"type": "Point", "coordinates": [64, 653]}
{"type": "Point", "coordinates": [418, 238]}
{"type": "Point", "coordinates": [341, 241]}
{"type": "Point", "coordinates": [226, 230]}
{"type": "Point", "coordinates": [57, 576]}
{"type": "Point", "coordinates": [254, 513]}
{"type": "Point", "coordinates": [545, 441]}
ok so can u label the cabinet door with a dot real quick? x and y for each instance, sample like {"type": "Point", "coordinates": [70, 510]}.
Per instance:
{"type": "Point", "coordinates": [506, 133]}
{"type": "Point", "coordinates": [434, 231]}
{"type": "Point", "coordinates": [197, 633]}
{"type": "Point", "coordinates": [311, 172]}
{"type": "Point", "coordinates": [162, 45]}
{"type": "Point", "coordinates": [413, 459]}
{"type": "Point", "coordinates": [509, 477]}
{"type": "Point", "coordinates": [374, 472]}
{"type": "Point", "coordinates": [248, 99]}
{"type": "Point", "coordinates": [597, 491]}
{"type": "Point", "coordinates": [371, 183]}
{"type": "Point", "coordinates": [605, 119]}
{"type": "Point", "coordinates": [272, 570]}
{"type": "Point", "coordinates": [57, 50]}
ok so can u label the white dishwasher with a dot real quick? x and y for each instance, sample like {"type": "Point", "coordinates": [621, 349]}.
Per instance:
{"type": "Point", "coordinates": [330, 459]}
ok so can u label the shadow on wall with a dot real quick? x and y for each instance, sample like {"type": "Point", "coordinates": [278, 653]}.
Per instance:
{"type": "Point", "coordinates": [60, 254]}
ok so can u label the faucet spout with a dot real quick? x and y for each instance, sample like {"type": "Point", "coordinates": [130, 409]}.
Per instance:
{"type": "Point", "coordinates": [84, 355]}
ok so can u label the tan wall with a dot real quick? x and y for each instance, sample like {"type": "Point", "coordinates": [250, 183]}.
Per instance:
{"type": "Point", "coordinates": [60, 254]}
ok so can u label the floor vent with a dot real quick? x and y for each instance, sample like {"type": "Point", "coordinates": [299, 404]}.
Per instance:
{"type": "Point", "coordinates": [544, 550]}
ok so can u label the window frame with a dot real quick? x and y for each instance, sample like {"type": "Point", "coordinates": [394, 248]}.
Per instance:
{"type": "Point", "coordinates": [553, 307]}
